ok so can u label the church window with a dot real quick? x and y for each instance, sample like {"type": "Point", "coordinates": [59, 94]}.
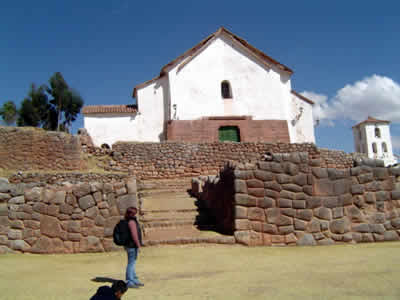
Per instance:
{"type": "Point", "coordinates": [384, 147]}
{"type": "Point", "coordinates": [377, 132]}
{"type": "Point", "coordinates": [374, 149]}
{"type": "Point", "coordinates": [226, 90]}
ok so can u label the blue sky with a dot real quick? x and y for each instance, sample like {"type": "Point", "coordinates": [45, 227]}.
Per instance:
{"type": "Point", "coordinates": [345, 54]}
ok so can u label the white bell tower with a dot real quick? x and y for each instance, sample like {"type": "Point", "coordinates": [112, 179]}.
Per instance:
{"type": "Point", "coordinates": [372, 137]}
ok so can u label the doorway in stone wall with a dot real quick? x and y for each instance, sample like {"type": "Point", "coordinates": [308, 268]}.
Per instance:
{"type": "Point", "coordinates": [229, 133]}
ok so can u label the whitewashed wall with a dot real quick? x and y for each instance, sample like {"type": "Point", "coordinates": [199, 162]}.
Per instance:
{"type": "Point", "coordinates": [301, 122]}
{"type": "Point", "coordinates": [257, 90]}
{"type": "Point", "coordinates": [145, 126]}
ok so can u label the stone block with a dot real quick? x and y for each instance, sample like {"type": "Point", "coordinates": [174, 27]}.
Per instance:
{"type": "Point", "coordinates": [323, 213]}
{"type": "Point", "coordinates": [300, 179]}
{"type": "Point", "coordinates": [391, 236]}
{"type": "Point", "coordinates": [377, 228]}
{"type": "Point", "coordinates": [3, 209]}
{"type": "Point", "coordinates": [278, 240]}
{"type": "Point", "coordinates": [254, 183]}
{"type": "Point", "coordinates": [281, 202]}
{"type": "Point", "coordinates": [290, 212]}
{"type": "Point", "coordinates": [354, 214]}
{"type": "Point", "coordinates": [125, 201]}
{"type": "Point", "coordinates": [337, 212]}
{"type": "Point", "coordinates": [382, 196]}
{"type": "Point", "coordinates": [380, 173]}
{"type": "Point", "coordinates": [256, 192]}
{"type": "Point", "coordinates": [313, 202]}
{"type": "Point", "coordinates": [365, 178]}
{"type": "Point", "coordinates": [131, 185]}
{"type": "Point", "coordinates": [340, 226]}
{"type": "Point", "coordinates": [300, 225]}
{"type": "Point", "coordinates": [300, 196]}
{"type": "Point", "coordinates": [242, 237]}
{"type": "Point", "coordinates": [338, 173]}
{"type": "Point", "coordinates": [378, 237]}
{"type": "Point", "coordinates": [242, 224]}
{"type": "Point", "coordinates": [66, 209]}
{"type": "Point", "coordinates": [273, 186]}
{"type": "Point", "coordinates": [355, 171]}
{"type": "Point", "coordinates": [266, 202]}
{"type": "Point", "coordinates": [40, 207]}
{"type": "Point", "coordinates": [363, 228]}
{"type": "Point", "coordinates": [326, 242]}
{"type": "Point", "coordinates": [81, 190]}
{"type": "Point", "coordinates": [373, 186]}
{"type": "Point", "coordinates": [370, 198]}
{"type": "Point", "coordinates": [50, 226]}
{"type": "Point", "coordinates": [308, 190]}
{"type": "Point", "coordinates": [358, 200]}
{"type": "Point", "coordinates": [357, 237]}
{"type": "Point", "coordinates": [272, 214]}
{"type": "Point", "coordinates": [396, 223]}
{"type": "Point", "coordinates": [240, 212]}
{"type": "Point", "coordinates": [244, 175]}
{"type": "Point", "coordinates": [306, 240]}
{"type": "Point", "coordinates": [90, 244]}
{"type": "Point", "coordinates": [304, 214]}
{"type": "Point", "coordinates": [318, 236]}
{"type": "Point", "coordinates": [53, 210]}
{"type": "Point", "coordinates": [314, 226]}
{"type": "Point", "coordinates": [320, 172]}
{"type": "Point", "coordinates": [269, 228]}
{"type": "Point", "coordinates": [283, 178]}
{"type": "Point", "coordinates": [330, 202]}
{"type": "Point", "coordinates": [263, 175]}
{"type": "Point", "coordinates": [290, 187]}
{"type": "Point", "coordinates": [245, 200]}
{"type": "Point", "coordinates": [256, 226]}
{"type": "Point", "coordinates": [395, 194]}
{"type": "Point", "coordinates": [59, 197]}
{"type": "Point", "coordinates": [240, 186]}
{"type": "Point", "coordinates": [300, 204]}
{"type": "Point", "coordinates": [86, 202]}
{"type": "Point", "coordinates": [285, 229]}
{"type": "Point", "coordinates": [283, 220]}
{"type": "Point", "coordinates": [276, 167]}
{"type": "Point", "coordinates": [345, 200]}
{"type": "Point", "coordinates": [17, 224]}
{"type": "Point", "coordinates": [323, 187]}
{"type": "Point", "coordinates": [14, 234]}
{"type": "Point", "coordinates": [290, 168]}
{"type": "Point", "coordinates": [256, 214]}
{"type": "Point", "coordinates": [357, 189]}
{"type": "Point", "coordinates": [341, 186]}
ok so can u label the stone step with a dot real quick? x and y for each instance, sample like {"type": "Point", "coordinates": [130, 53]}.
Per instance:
{"type": "Point", "coordinates": [179, 184]}
{"type": "Point", "coordinates": [163, 193]}
{"type": "Point", "coordinates": [163, 202]}
{"type": "Point", "coordinates": [184, 235]}
{"type": "Point", "coordinates": [168, 215]}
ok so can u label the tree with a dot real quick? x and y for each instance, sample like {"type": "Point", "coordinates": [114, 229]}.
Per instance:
{"type": "Point", "coordinates": [9, 112]}
{"type": "Point", "coordinates": [35, 109]}
{"type": "Point", "coordinates": [66, 101]}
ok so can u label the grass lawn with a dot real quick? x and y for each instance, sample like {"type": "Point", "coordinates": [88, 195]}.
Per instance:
{"type": "Point", "coordinates": [366, 271]}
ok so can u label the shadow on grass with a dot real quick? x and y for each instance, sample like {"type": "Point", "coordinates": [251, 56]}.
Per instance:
{"type": "Point", "coordinates": [104, 279]}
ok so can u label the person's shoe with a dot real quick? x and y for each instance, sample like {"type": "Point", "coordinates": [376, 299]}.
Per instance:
{"type": "Point", "coordinates": [139, 284]}
{"type": "Point", "coordinates": [132, 286]}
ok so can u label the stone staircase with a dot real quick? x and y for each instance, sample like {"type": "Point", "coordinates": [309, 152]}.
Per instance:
{"type": "Point", "coordinates": [169, 215]}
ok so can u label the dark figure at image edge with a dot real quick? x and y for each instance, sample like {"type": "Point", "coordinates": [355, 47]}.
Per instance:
{"type": "Point", "coordinates": [114, 292]}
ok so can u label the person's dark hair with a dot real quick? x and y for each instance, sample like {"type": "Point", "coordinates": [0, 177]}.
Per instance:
{"type": "Point", "coordinates": [119, 286]}
{"type": "Point", "coordinates": [130, 212]}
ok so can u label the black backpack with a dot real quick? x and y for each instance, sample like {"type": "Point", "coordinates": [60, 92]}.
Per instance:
{"type": "Point", "coordinates": [122, 233]}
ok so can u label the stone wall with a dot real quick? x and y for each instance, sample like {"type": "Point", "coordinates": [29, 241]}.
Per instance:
{"type": "Point", "coordinates": [170, 159]}
{"type": "Point", "coordinates": [29, 148]}
{"type": "Point", "coordinates": [293, 200]}
{"type": "Point", "coordinates": [62, 219]}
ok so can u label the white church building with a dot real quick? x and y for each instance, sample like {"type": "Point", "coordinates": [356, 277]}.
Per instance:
{"type": "Point", "coordinates": [372, 137]}
{"type": "Point", "coordinates": [222, 89]}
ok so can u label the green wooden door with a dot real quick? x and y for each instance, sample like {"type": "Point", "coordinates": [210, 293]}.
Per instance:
{"type": "Point", "coordinates": [229, 133]}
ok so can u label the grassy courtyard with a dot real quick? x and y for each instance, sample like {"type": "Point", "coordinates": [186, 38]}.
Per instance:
{"type": "Point", "coordinates": [367, 271]}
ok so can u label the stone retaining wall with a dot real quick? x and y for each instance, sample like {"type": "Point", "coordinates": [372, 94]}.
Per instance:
{"type": "Point", "coordinates": [29, 148]}
{"type": "Point", "coordinates": [293, 200]}
{"type": "Point", "coordinates": [171, 160]}
{"type": "Point", "coordinates": [62, 219]}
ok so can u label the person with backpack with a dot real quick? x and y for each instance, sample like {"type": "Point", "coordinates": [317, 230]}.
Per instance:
{"type": "Point", "coordinates": [132, 247]}
{"type": "Point", "coordinates": [114, 292]}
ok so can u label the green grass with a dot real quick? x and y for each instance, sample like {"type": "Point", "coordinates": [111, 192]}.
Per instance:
{"type": "Point", "coordinates": [367, 271]}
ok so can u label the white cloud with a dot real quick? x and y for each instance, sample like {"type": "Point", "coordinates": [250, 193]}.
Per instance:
{"type": "Point", "coordinates": [376, 96]}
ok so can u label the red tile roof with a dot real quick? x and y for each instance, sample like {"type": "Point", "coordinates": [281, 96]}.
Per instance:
{"type": "Point", "coordinates": [371, 120]}
{"type": "Point", "coordinates": [302, 97]}
{"type": "Point", "coordinates": [109, 109]}
{"type": "Point", "coordinates": [197, 47]}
